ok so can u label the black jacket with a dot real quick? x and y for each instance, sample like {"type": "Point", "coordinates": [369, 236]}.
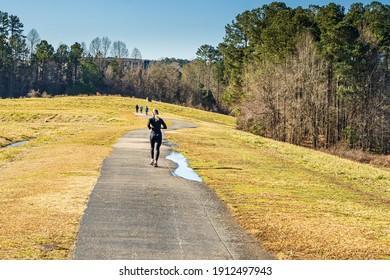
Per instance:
{"type": "Point", "coordinates": [155, 126]}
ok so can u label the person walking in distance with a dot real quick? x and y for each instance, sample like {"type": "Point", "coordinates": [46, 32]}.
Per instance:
{"type": "Point", "coordinates": [155, 124]}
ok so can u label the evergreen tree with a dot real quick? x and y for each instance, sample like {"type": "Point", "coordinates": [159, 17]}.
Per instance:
{"type": "Point", "coordinates": [62, 59]}
{"type": "Point", "coordinates": [75, 55]}
{"type": "Point", "coordinates": [44, 55]}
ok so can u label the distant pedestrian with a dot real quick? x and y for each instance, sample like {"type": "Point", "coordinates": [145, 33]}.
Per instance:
{"type": "Point", "coordinates": [146, 110]}
{"type": "Point", "coordinates": [155, 124]}
{"type": "Point", "coordinates": [141, 108]}
{"type": "Point", "coordinates": [136, 108]}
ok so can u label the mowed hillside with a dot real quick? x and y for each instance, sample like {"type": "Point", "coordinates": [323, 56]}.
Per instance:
{"type": "Point", "coordinates": [300, 203]}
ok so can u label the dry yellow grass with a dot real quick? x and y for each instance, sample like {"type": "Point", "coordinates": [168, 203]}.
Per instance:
{"type": "Point", "coordinates": [301, 204]}
{"type": "Point", "coordinates": [43, 194]}
{"type": "Point", "coordinates": [45, 184]}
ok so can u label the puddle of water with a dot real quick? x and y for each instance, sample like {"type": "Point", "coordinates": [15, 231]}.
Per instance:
{"type": "Point", "coordinates": [183, 170]}
{"type": "Point", "coordinates": [16, 144]}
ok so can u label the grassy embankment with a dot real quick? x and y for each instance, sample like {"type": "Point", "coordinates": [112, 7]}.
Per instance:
{"type": "Point", "coordinates": [300, 203]}
{"type": "Point", "coordinates": [44, 185]}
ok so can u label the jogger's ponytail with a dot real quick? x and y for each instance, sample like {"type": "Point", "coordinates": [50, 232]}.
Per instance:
{"type": "Point", "coordinates": [155, 114]}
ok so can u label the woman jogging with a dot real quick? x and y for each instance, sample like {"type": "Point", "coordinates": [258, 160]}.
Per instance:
{"type": "Point", "coordinates": [155, 124]}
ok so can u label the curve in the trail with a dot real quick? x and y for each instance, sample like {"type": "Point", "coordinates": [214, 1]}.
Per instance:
{"type": "Point", "coordinates": [136, 211]}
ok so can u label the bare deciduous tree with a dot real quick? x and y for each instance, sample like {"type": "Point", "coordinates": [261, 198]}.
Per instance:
{"type": "Point", "coordinates": [286, 101]}
{"type": "Point", "coordinates": [163, 81]}
{"type": "Point", "coordinates": [119, 49]}
{"type": "Point", "coordinates": [136, 54]}
{"type": "Point", "coordinates": [34, 39]}
{"type": "Point", "coordinates": [106, 45]}
{"type": "Point", "coordinates": [95, 47]}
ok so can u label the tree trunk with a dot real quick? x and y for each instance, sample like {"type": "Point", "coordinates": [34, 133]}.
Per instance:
{"type": "Point", "coordinates": [328, 104]}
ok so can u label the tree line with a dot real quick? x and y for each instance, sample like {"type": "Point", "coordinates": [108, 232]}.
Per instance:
{"type": "Point", "coordinates": [29, 63]}
{"type": "Point", "coordinates": [33, 67]}
{"type": "Point", "coordinates": [317, 77]}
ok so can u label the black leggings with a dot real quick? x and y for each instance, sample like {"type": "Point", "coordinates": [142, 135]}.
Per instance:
{"type": "Point", "coordinates": [155, 141]}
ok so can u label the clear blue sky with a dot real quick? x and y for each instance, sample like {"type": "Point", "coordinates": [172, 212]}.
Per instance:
{"type": "Point", "coordinates": [158, 28]}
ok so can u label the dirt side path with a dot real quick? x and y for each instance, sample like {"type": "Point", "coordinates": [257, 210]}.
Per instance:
{"type": "Point", "coordinates": [140, 212]}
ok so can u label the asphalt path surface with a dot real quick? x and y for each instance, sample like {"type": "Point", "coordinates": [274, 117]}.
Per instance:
{"type": "Point", "coordinates": [140, 212]}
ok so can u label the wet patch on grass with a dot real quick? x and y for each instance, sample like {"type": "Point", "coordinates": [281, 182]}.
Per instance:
{"type": "Point", "coordinates": [16, 144]}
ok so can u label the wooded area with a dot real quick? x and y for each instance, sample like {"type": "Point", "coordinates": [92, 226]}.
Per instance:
{"type": "Point", "coordinates": [317, 77]}
{"type": "Point", "coordinates": [32, 67]}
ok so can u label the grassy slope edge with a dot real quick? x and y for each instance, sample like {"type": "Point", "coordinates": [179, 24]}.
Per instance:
{"type": "Point", "coordinates": [301, 204]}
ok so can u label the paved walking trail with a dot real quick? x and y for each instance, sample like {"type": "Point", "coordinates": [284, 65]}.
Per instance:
{"type": "Point", "coordinates": [140, 212]}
